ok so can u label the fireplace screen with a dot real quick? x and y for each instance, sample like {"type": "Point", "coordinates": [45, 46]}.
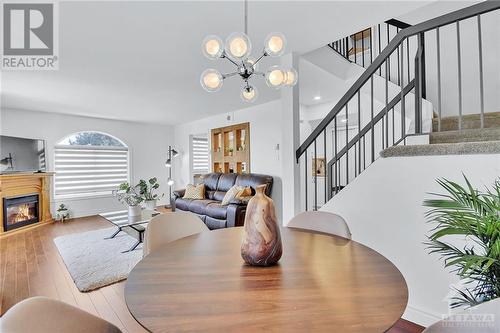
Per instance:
{"type": "Point", "coordinates": [20, 211]}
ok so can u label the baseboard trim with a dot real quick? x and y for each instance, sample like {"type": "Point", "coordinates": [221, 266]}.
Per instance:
{"type": "Point", "coordinates": [420, 316]}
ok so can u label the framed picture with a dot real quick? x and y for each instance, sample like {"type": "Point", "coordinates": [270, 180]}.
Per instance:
{"type": "Point", "coordinates": [318, 167]}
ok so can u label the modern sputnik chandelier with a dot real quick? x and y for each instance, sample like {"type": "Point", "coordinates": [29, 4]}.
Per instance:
{"type": "Point", "coordinates": [237, 50]}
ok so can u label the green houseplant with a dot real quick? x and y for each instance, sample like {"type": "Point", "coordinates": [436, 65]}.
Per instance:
{"type": "Point", "coordinates": [62, 213]}
{"type": "Point", "coordinates": [148, 191]}
{"type": "Point", "coordinates": [129, 195]}
{"type": "Point", "coordinates": [474, 216]}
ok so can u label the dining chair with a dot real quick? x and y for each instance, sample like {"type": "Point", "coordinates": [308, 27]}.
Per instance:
{"type": "Point", "coordinates": [44, 315]}
{"type": "Point", "coordinates": [482, 318]}
{"type": "Point", "coordinates": [170, 226]}
{"type": "Point", "coordinates": [325, 222]}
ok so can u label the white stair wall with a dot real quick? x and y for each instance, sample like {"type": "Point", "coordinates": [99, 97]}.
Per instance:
{"type": "Point", "coordinates": [383, 208]}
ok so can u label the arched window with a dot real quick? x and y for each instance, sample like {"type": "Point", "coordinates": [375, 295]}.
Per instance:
{"type": "Point", "coordinates": [88, 164]}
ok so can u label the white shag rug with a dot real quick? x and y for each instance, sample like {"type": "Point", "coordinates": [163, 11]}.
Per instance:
{"type": "Point", "coordinates": [94, 261]}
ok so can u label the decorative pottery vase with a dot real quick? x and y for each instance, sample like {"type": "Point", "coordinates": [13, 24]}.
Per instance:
{"type": "Point", "coordinates": [134, 210]}
{"type": "Point", "coordinates": [261, 243]}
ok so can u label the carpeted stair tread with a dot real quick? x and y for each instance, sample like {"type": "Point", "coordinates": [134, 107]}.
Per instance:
{"type": "Point", "coordinates": [468, 135]}
{"type": "Point", "coordinates": [462, 148]}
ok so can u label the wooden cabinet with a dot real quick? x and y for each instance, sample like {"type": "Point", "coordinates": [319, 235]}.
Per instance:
{"type": "Point", "coordinates": [230, 149]}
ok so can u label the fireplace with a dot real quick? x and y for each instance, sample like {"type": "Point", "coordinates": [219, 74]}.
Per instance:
{"type": "Point", "coordinates": [20, 211]}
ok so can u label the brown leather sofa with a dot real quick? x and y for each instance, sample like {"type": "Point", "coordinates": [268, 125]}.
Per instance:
{"type": "Point", "coordinates": [210, 209]}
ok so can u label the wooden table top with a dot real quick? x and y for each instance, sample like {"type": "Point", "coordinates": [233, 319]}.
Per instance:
{"type": "Point", "coordinates": [322, 283]}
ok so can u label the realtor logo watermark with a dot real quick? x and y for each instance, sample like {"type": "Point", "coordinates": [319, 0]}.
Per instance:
{"type": "Point", "coordinates": [29, 36]}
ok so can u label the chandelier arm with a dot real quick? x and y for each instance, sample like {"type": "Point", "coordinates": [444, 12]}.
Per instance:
{"type": "Point", "coordinates": [228, 75]}
{"type": "Point", "coordinates": [231, 60]}
{"type": "Point", "coordinates": [259, 58]}
{"type": "Point", "coordinates": [259, 73]}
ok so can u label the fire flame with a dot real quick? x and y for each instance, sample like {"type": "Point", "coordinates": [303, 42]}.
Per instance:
{"type": "Point", "coordinates": [23, 213]}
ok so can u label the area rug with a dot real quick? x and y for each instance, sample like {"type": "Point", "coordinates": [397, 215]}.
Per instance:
{"type": "Point", "coordinates": [94, 261]}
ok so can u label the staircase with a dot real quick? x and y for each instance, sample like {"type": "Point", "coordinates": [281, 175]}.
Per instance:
{"type": "Point", "coordinates": [354, 133]}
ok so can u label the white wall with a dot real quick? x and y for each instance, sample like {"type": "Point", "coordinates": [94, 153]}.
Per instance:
{"type": "Point", "coordinates": [383, 207]}
{"type": "Point", "coordinates": [265, 135]}
{"type": "Point", "coordinates": [147, 145]}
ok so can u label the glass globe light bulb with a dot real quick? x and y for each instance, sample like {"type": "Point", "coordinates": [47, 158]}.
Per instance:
{"type": "Point", "coordinates": [238, 45]}
{"type": "Point", "coordinates": [275, 44]}
{"type": "Point", "coordinates": [291, 77]}
{"type": "Point", "coordinates": [275, 77]}
{"type": "Point", "coordinates": [212, 47]}
{"type": "Point", "coordinates": [211, 80]}
{"type": "Point", "coordinates": [249, 94]}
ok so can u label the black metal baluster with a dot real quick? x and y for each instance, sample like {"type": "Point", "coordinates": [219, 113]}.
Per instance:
{"type": "Point", "coordinates": [359, 130]}
{"type": "Point", "coordinates": [347, 142]}
{"type": "Point", "coordinates": [372, 122]}
{"type": "Point", "coordinates": [327, 176]}
{"type": "Point", "coordinates": [315, 177]}
{"type": "Point", "coordinates": [363, 47]}
{"type": "Point", "coordinates": [379, 50]}
{"type": "Point", "coordinates": [403, 106]}
{"type": "Point", "coordinates": [335, 156]}
{"type": "Point", "coordinates": [459, 56]}
{"type": "Point", "coordinates": [371, 46]}
{"type": "Point", "coordinates": [399, 74]}
{"type": "Point", "coordinates": [481, 78]}
{"type": "Point", "coordinates": [388, 61]}
{"type": "Point", "coordinates": [306, 178]}
{"type": "Point", "coordinates": [387, 69]}
{"type": "Point", "coordinates": [354, 48]}
{"type": "Point", "coordinates": [408, 57]}
{"type": "Point", "coordinates": [438, 55]}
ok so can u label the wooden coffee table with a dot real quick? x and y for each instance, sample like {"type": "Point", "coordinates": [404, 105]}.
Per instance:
{"type": "Point", "coordinates": [122, 220]}
{"type": "Point", "coordinates": [322, 284]}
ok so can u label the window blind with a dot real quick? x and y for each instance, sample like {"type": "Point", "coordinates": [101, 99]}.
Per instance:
{"type": "Point", "coordinates": [199, 149]}
{"type": "Point", "coordinates": [89, 170]}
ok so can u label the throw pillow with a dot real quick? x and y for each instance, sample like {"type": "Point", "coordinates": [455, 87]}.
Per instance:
{"type": "Point", "coordinates": [195, 192]}
{"type": "Point", "coordinates": [245, 192]}
{"type": "Point", "coordinates": [231, 194]}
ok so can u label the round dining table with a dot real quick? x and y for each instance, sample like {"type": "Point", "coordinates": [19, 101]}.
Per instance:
{"type": "Point", "coordinates": [322, 283]}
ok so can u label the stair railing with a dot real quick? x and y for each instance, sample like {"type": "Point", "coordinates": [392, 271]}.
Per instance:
{"type": "Point", "coordinates": [380, 130]}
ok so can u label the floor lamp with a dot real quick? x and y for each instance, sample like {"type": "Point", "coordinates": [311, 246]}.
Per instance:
{"type": "Point", "coordinates": [170, 181]}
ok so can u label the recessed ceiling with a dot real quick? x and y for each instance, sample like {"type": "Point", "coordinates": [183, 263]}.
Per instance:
{"type": "Point", "coordinates": [141, 61]}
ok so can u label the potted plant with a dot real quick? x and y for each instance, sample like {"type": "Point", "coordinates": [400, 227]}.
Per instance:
{"type": "Point", "coordinates": [62, 213]}
{"type": "Point", "coordinates": [474, 217]}
{"type": "Point", "coordinates": [130, 196]}
{"type": "Point", "coordinates": [230, 151]}
{"type": "Point", "coordinates": [147, 189]}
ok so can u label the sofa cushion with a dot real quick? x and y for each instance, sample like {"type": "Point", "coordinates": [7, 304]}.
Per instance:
{"type": "Point", "coordinates": [199, 206]}
{"type": "Point", "coordinates": [216, 210]}
{"type": "Point", "coordinates": [210, 180]}
{"type": "Point", "coordinates": [219, 195]}
{"type": "Point", "coordinates": [194, 192]}
{"type": "Point", "coordinates": [182, 203]}
{"type": "Point", "coordinates": [226, 181]}
{"type": "Point", "coordinates": [210, 195]}
{"type": "Point", "coordinates": [215, 223]}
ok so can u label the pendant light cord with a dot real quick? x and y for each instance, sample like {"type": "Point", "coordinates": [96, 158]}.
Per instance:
{"type": "Point", "coordinates": [246, 17]}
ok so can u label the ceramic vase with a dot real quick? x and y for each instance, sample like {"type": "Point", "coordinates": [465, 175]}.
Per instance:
{"type": "Point", "coordinates": [150, 204]}
{"type": "Point", "coordinates": [261, 242]}
{"type": "Point", "coordinates": [134, 210]}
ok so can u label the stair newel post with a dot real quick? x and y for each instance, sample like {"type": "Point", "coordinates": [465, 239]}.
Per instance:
{"type": "Point", "coordinates": [419, 82]}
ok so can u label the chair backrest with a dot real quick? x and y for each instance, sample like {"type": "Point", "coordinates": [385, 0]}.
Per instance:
{"type": "Point", "coordinates": [170, 226]}
{"type": "Point", "coordinates": [489, 324]}
{"type": "Point", "coordinates": [326, 222]}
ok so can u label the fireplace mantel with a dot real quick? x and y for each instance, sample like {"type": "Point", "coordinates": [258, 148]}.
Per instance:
{"type": "Point", "coordinates": [17, 184]}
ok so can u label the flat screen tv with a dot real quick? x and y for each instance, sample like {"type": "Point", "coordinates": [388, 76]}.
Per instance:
{"type": "Point", "coordinates": [21, 155]}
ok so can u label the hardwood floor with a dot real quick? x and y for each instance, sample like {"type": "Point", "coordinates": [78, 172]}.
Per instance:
{"type": "Point", "coordinates": [30, 265]}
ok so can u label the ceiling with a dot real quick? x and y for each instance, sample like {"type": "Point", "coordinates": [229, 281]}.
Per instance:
{"type": "Point", "coordinates": [141, 61]}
